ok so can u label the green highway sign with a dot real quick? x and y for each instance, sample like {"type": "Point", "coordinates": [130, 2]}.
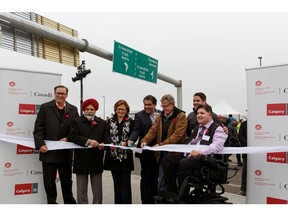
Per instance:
{"type": "Point", "coordinates": [133, 63]}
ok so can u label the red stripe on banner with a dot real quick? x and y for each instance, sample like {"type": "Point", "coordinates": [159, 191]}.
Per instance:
{"type": "Point", "coordinates": [272, 200]}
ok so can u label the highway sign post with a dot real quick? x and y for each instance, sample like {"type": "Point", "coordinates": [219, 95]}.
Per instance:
{"type": "Point", "coordinates": [130, 62]}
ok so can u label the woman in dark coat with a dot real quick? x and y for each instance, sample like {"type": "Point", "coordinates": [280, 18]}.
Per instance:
{"type": "Point", "coordinates": [120, 161]}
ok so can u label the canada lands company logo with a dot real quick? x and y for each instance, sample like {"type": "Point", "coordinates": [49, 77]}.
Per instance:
{"type": "Point", "coordinates": [10, 124]}
{"type": "Point", "coordinates": [12, 83]}
{"type": "Point", "coordinates": [258, 127]}
{"type": "Point", "coordinates": [7, 165]}
{"type": "Point", "coordinates": [258, 172]}
{"type": "Point", "coordinates": [23, 189]}
{"type": "Point", "coordinates": [258, 83]}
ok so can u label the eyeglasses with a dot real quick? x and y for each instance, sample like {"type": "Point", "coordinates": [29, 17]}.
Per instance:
{"type": "Point", "coordinates": [165, 106]}
{"type": "Point", "coordinates": [60, 93]}
{"type": "Point", "coordinates": [122, 110]}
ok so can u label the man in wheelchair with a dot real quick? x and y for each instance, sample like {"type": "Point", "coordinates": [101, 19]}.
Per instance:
{"type": "Point", "coordinates": [195, 169]}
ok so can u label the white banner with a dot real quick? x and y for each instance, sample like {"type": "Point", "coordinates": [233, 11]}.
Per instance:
{"type": "Point", "coordinates": [267, 126]}
{"type": "Point", "coordinates": [21, 94]}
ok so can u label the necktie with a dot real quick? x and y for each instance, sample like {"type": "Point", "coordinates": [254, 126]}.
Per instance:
{"type": "Point", "coordinates": [200, 135]}
{"type": "Point", "coordinates": [199, 138]}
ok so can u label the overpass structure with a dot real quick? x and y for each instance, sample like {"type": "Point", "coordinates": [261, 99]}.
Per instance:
{"type": "Point", "coordinates": [83, 45]}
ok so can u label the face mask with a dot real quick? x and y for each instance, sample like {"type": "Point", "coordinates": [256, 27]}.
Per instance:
{"type": "Point", "coordinates": [88, 116]}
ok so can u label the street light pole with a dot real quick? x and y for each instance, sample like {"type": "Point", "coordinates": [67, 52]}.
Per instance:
{"type": "Point", "coordinates": [260, 58]}
{"type": "Point", "coordinates": [103, 107]}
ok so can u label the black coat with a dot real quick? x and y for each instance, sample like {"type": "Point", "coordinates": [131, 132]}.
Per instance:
{"type": "Point", "coordinates": [243, 134]}
{"type": "Point", "coordinates": [49, 125]}
{"type": "Point", "coordinates": [142, 125]}
{"type": "Point", "coordinates": [87, 161]}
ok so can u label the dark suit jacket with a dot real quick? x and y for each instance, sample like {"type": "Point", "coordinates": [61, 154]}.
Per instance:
{"type": "Point", "coordinates": [87, 161]}
{"type": "Point", "coordinates": [142, 125]}
{"type": "Point", "coordinates": [49, 125]}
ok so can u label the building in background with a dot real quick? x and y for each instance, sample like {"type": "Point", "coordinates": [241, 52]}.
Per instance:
{"type": "Point", "coordinates": [23, 42]}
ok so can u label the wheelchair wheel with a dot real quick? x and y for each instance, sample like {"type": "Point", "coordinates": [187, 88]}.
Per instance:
{"type": "Point", "coordinates": [166, 197]}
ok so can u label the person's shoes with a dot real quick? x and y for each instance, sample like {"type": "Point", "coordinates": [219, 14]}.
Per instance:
{"type": "Point", "coordinates": [242, 193]}
{"type": "Point", "coordinates": [171, 200]}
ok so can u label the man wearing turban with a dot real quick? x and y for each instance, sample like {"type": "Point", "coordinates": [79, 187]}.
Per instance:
{"type": "Point", "coordinates": [88, 131]}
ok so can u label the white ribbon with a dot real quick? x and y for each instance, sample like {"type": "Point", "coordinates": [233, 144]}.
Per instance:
{"type": "Point", "coordinates": [54, 145]}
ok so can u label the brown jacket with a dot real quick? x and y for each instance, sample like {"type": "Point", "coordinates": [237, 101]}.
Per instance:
{"type": "Point", "coordinates": [176, 131]}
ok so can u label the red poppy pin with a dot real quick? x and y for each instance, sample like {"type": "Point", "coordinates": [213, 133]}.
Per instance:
{"type": "Point", "coordinates": [93, 122]}
{"type": "Point", "coordinates": [126, 119]}
{"type": "Point", "coordinates": [207, 131]}
{"type": "Point", "coordinates": [173, 120]}
{"type": "Point", "coordinates": [67, 116]}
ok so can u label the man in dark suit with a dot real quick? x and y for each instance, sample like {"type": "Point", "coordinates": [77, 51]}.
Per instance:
{"type": "Point", "coordinates": [149, 167]}
{"type": "Point", "coordinates": [53, 123]}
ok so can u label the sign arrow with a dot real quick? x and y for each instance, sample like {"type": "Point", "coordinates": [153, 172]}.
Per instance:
{"type": "Point", "coordinates": [126, 66]}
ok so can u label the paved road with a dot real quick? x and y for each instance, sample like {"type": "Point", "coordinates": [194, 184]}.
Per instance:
{"type": "Point", "coordinates": [232, 187]}
{"type": "Point", "coordinates": [231, 190]}
{"type": "Point", "coordinates": [108, 192]}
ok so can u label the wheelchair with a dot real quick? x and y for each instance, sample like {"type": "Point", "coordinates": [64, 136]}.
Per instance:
{"type": "Point", "coordinates": [205, 187]}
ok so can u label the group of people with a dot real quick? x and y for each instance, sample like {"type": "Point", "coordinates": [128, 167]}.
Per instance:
{"type": "Point", "coordinates": [58, 120]}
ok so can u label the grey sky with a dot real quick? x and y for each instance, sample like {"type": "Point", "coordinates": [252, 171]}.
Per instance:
{"type": "Point", "coordinates": [207, 51]}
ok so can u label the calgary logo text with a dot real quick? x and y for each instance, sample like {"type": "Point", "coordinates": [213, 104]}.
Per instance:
{"type": "Point", "coordinates": [22, 189]}
{"type": "Point", "coordinates": [28, 109]}
{"type": "Point", "coordinates": [25, 150]}
{"type": "Point", "coordinates": [277, 157]}
{"type": "Point", "coordinates": [277, 109]}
